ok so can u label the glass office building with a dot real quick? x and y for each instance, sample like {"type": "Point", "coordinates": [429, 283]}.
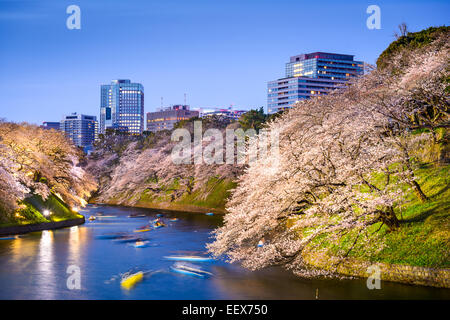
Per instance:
{"type": "Point", "coordinates": [122, 106]}
{"type": "Point", "coordinates": [308, 75]}
{"type": "Point", "coordinates": [81, 129]}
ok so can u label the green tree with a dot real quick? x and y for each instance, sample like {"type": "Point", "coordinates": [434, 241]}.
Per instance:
{"type": "Point", "coordinates": [253, 119]}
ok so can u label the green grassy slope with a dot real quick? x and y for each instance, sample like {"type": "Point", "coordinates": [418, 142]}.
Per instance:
{"type": "Point", "coordinates": [32, 208]}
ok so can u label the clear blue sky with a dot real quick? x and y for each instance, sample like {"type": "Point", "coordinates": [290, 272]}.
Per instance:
{"type": "Point", "coordinates": [219, 52]}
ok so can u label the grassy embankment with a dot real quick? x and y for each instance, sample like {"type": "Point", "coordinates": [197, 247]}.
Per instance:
{"type": "Point", "coordinates": [423, 238]}
{"type": "Point", "coordinates": [211, 196]}
{"type": "Point", "coordinates": [32, 208]}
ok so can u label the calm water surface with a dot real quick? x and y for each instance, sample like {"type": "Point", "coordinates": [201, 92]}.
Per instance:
{"type": "Point", "coordinates": [34, 266]}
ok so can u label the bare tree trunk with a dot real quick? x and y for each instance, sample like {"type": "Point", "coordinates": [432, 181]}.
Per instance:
{"type": "Point", "coordinates": [418, 191]}
{"type": "Point", "coordinates": [389, 218]}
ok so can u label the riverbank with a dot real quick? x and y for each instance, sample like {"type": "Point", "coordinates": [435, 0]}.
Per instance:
{"type": "Point", "coordinates": [416, 253]}
{"type": "Point", "coordinates": [36, 214]}
{"type": "Point", "coordinates": [166, 206]}
{"type": "Point", "coordinates": [413, 275]}
{"type": "Point", "coordinates": [22, 229]}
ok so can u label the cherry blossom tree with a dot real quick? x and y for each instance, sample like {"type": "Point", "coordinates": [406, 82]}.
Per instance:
{"type": "Point", "coordinates": [38, 161]}
{"type": "Point", "coordinates": [325, 184]}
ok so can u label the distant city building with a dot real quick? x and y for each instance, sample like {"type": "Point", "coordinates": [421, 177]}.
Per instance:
{"type": "Point", "coordinates": [50, 125]}
{"type": "Point", "coordinates": [122, 106]}
{"type": "Point", "coordinates": [165, 118]}
{"type": "Point", "coordinates": [81, 129]}
{"type": "Point", "coordinates": [225, 112]}
{"type": "Point", "coordinates": [309, 75]}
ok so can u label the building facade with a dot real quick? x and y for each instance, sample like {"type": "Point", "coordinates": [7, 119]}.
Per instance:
{"type": "Point", "coordinates": [50, 125]}
{"type": "Point", "coordinates": [122, 106]}
{"type": "Point", "coordinates": [227, 113]}
{"type": "Point", "coordinates": [81, 129]}
{"type": "Point", "coordinates": [309, 75]}
{"type": "Point", "coordinates": [165, 118]}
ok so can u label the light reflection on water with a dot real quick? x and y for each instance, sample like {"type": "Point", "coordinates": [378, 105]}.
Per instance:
{"type": "Point", "coordinates": [34, 266]}
{"type": "Point", "coordinates": [46, 267]}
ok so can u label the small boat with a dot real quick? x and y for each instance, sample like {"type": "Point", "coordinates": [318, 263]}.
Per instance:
{"type": "Point", "coordinates": [158, 225]}
{"type": "Point", "coordinates": [126, 239]}
{"type": "Point", "coordinates": [9, 238]}
{"type": "Point", "coordinates": [191, 268]}
{"type": "Point", "coordinates": [108, 236]}
{"type": "Point", "coordinates": [187, 272]}
{"type": "Point", "coordinates": [209, 214]}
{"type": "Point", "coordinates": [159, 215]}
{"type": "Point", "coordinates": [137, 216]}
{"type": "Point", "coordinates": [92, 218]}
{"type": "Point", "coordinates": [142, 230]}
{"type": "Point", "coordinates": [189, 258]}
{"type": "Point", "coordinates": [131, 280]}
{"type": "Point", "coordinates": [141, 244]}
{"type": "Point", "coordinates": [174, 219]}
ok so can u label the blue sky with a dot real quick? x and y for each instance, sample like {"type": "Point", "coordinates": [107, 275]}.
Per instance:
{"type": "Point", "coordinates": [218, 52]}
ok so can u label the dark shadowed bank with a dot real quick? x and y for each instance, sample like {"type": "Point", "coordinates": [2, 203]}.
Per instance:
{"type": "Point", "coordinates": [13, 230]}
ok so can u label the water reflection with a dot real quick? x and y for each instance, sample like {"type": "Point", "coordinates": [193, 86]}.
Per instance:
{"type": "Point", "coordinates": [74, 245]}
{"type": "Point", "coordinates": [45, 276]}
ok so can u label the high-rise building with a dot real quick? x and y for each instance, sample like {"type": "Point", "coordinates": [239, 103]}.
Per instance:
{"type": "Point", "coordinates": [50, 125]}
{"type": "Point", "coordinates": [81, 129]}
{"type": "Point", "coordinates": [122, 106]}
{"type": "Point", "coordinates": [308, 75]}
{"type": "Point", "coordinates": [165, 118]}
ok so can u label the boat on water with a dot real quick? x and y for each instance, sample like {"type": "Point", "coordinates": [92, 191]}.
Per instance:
{"type": "Point", "coordinates": [126, 239]}
{"type": "Point", "coordinates": [129, 281]}
{"type": "Point", "coordinates": [142, 230]}
{"type": "Point", "coordinates": [137, 216]}
{"type": "Point", "coordinates": [9, 238]}
{"type": "Point", "coordinates": [92, 218]}
{"type": "Point", "coordinates": [209, 214]}
{"type": "Point", "coordinates": [187, 272]}
{"type": "Point", "coordinates": [110, 236]}
{"type": "Point", "coordinates": [190, 270]}
{"type": "Point", "coordinates": [158, 224]}
{"type": "Point", "coordinates": [189, 258]}
{"type": "Point", "coordinates": [141, 244]}
{"type": "Point", "coordinates": [174, 219]}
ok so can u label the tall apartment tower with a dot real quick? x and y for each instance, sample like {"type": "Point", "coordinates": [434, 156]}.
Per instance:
{"type": "Point", "coordinates": [81, 129]}
{"type": "Point", "coordinates": [311, 74]}
{"type": "Point", "coordinates": [122, 106]}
